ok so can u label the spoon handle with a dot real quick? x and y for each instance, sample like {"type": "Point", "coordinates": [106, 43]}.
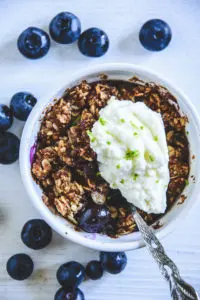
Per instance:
{"type": "Point", "coordinates": [180, 290]}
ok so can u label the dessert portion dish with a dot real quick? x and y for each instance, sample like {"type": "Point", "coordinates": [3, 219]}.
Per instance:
{"type": "Point", "coordinates": [66, 166]}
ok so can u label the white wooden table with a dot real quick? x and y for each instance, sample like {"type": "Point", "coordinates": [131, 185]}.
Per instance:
{"type": "Point", "coordinates": [180, 62]}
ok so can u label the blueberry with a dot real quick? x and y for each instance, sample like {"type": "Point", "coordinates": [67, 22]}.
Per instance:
{"type": "Point", "coordinates": [70, 275]}
{"type": "Point", "coordinates": [94, 219]}
{"type": "Point", "coordinates": [155, 35]}
{"type": "Point", "coordinates": [93, 42]}
{"type": "Point", "coordinates": [75, 294]}
{"type": "Point", "coordinates": [33, 43]}
{"type": "Point", "coordinates": [9, 148]}
{"type": "Point", "coordinates": [94, 270]}
{"type": "Point", "coordinates": [6, 117]}
{"type": "Point", "coordinates": [113, 262]}
{"type": "Point", "coordinates": [36, 234]}
{"type": "Point", "coordinates": [21, 104]}
{"type": "Point", "coordinates": [19, 266]}
{"type": "Point", "coordinates": [65, 28]}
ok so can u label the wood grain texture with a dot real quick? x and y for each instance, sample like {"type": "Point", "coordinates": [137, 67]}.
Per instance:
{"type": "Point", "coordinates": [179, 62]}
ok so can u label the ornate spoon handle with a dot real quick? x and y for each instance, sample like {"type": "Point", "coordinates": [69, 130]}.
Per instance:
{"type": "Point", "coordinates": [180, 290]}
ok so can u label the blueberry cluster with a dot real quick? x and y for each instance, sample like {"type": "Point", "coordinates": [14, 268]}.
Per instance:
{"type": "Point", "coordinates": [64, 28]}
{"type": "Point", "coordinates": [20, 107]}
{"type": "Point", "coordinates": [36, 234]}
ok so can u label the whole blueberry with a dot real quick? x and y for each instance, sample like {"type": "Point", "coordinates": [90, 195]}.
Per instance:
{"type": "Point", "coordinates": [36, 234]}
{"type": "Point", "coordinates": [155, 35]}
{"type": "Point", "coordinates": [94, 219]}
{"type": "Point", "coordinates": [19, 266]}
{"type": "Point", "coordinates": [65, 28]}
{"type": "Point", "coordinates": [33, 43]}
{"type": "Point", "coordinates": [94, 270]}
{"type": "Point", "coordinates": [6, 117]}
{"type": "Point", "coordinates": [9, 148]}
{"type": "Point", "coordinates": [113, 262]}
{"type": "Point", "coordinates": [73, 294]}
{"type": "Point", "coordinates": [21, 104]}
{"type": "Point", "coordinates": [93, 42]}
{"type": "Point", "coordinates": [70, 275]}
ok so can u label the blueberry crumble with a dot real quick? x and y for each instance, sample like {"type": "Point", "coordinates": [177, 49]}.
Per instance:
{"type": "Point", "coordinates": [66, 167]}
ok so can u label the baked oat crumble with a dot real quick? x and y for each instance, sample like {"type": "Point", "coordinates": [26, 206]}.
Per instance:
{"type": "Point", "coordinates": [66, 167]}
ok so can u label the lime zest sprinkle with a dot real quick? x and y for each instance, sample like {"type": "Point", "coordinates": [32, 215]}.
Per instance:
{"type": "Point", "coordinates": [122, 181]}
{"type": "Point", "coordinates": [133, 125]}
{"type": "Point", "coordinates": [118, 166]}
{"type": "Point", "coordinates": [187, 132]}
{"type": "Point", "coordinates": [186, 181]}
{"type": "Point", "coordinates": [131, 154]}
{"type": "Point", "coordinates": [91, 136]}
{"type": "Point", "coordinates": [76, 121]}
{"type": "Point", "coordinates": [122, 120]}
{"type": "Point", "coordinates": [108, 143]}
{"type": "Point", "coordinates": [135, 176]}
{"type": "Point", "coordinates": [108, 197]}
{"type": "Point", "coordinates": [98, 174]}
{"type": "Point", "coordinates": [114, 136]}
{"type": "Point", "coordinates": [157, 181]}
{"type": "Point", "coordinates": [155, 138]}
{"type": "Point", "coordinates": [148, 156]}
{"type": "Point", "coordinates": [135, 133]}
{"type": "Point", "coordinates": [151, 158]}
{"type": "Point", "coordinates": [102, 121]}
{"type": "Point", "coordinates": [141, 127]}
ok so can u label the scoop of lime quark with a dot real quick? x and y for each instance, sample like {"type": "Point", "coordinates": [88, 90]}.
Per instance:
{"type": "Point", "coordinates": [130, 142]}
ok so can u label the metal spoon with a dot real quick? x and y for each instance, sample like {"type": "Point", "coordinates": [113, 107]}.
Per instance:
{"type": "Point", "coordinates": [180, 290]}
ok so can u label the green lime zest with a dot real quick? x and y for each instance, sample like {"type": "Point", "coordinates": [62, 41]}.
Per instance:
{"type": "Point", "coordinates": [133, 125]}
{"type": "Point", "coordinates": [98, 174]}
{"type": "Point", "coordinates": [108, 143]}
{"type": "Point", "coordinates": [151, 158]}
{"type": "Point", "coordinates": [122, 120]}
{"type": "Point", "coordinates": [76, 121]}
{"type": "Point", "coordinates": [186, 181]}
{"type": "Point", "coordinates": [155, 138]}
{"type": "Point", "coordinates": [131, 154]}
{"type": "Point", "coordinates": [102, 121]}
{"type": "Point", "coordinates": [141, 127]}
{"type": "Point", "coordinates": [148, 157]}
{"type": "Point", "coordinates": [118, 166]}
{"type": "Point", "coordinates": [91, 136]}
{"type": "Point", "coordinates": [114, 136]}
{"type": "Point", "coordinates": [135, 176]}
{"type": "Point", "coordinates": [114, 185]}
{"type": "Point", "coordinates": [122, 181]}
{"type": "Point", "coordinates": [135, 133]}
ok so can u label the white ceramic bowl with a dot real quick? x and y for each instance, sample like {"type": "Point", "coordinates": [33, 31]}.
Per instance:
{"type": "Point", "coordinates": [66, 229]}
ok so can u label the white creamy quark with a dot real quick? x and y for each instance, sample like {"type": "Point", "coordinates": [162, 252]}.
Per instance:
{"type": "Point", "coordinates": [130, 142]}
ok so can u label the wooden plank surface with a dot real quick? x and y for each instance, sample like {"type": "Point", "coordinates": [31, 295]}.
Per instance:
{"type": "Point", "coordinates": [180, 62]}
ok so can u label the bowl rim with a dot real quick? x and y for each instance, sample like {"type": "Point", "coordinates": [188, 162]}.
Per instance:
{"type": "Point", "coordinates": [28, 181]}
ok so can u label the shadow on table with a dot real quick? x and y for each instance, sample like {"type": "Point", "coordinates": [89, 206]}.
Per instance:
{"type": "Point", "coordinates": [9, 54]}
{"type": "Point", "coordinates": [130, 45]}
